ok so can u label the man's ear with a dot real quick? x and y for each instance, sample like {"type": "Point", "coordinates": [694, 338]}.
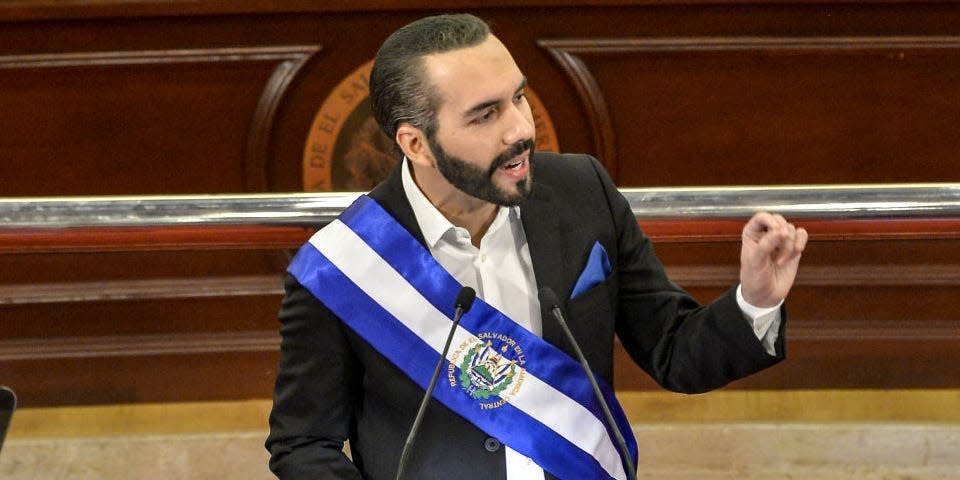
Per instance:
{"type": "Point", "coordinates": [414, 145]}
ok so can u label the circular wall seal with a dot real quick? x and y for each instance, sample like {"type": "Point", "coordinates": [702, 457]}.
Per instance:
{"type": "Point", "coordinates": [346, 151]}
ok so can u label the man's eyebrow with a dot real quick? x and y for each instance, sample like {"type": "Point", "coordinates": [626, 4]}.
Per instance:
{"type": "Point", "coordinates": [490, 103]}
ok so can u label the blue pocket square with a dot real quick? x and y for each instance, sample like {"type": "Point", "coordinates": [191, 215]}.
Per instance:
{"type": "Point", "coordinates": [596, 271]}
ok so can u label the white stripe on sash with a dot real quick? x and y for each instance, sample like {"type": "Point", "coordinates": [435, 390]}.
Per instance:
{"type": "Point", "coordinates": [362, 265]}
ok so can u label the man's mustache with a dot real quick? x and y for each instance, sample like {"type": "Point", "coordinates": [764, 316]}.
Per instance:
{"type": "Point", "coordinates": [511, 152]}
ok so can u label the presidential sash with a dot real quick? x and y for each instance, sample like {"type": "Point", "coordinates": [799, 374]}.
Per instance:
{"type": "Point", "coordinates": [382, 283]}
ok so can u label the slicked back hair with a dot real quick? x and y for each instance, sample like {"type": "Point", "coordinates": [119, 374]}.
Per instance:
{"type": "Point", "coordinates": [399, 89]}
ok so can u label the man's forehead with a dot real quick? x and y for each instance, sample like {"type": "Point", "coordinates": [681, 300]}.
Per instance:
{"type": "Point", "coordinates": [474, 74]}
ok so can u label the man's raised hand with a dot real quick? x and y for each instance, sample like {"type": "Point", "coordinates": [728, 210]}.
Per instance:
{"type": "Point", "coordinates": [769, 258]}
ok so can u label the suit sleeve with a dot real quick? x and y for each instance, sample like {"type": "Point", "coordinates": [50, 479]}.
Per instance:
{"type": "Point", "coordinates": [684, 346]}
{"type": "Point", "coordinates": [318, 383]}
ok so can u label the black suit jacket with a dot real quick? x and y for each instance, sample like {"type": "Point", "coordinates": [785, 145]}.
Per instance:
{"type": "Point", "coordinates": [333, 386]}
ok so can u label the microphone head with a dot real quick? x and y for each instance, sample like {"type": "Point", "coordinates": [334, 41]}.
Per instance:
{"type": "Point", "coordinates": [548, 298]}
{"type": "Point", "coordinates": [465, 299]}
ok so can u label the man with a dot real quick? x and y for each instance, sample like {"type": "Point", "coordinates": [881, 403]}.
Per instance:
{"type": "Point", "coordinates": [369, 299]}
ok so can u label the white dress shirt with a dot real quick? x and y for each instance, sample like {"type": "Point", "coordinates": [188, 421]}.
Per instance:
{"type": "Point", "coordinates": [501, 272]}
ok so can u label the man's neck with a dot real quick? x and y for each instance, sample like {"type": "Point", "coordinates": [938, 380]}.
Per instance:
{"type": "Point", "coordinates": [476, 219]}
{"type": "Point", "coordinates": [460, 209]}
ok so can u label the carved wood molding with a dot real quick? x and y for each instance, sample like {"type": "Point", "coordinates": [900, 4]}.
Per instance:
{"type": "Point", "coordinates": [138, 289]}
{"type": "Point", "coordinates": [193, 343]}
{"type": "Point", "coordinates": [122, 239]}
{"type": "Point", "coordinates": [881, 229]}
{"type": "Point", "coordinates": [765, 45]}
{"type": "Point", "coordinates": [157, 57]}
{"type": "Point", "coordinates": [817, 275]}
{"type": "Point", "coordinates": [261, 237]}
{"type": "Point", "coordinates": [820, 331]}
{"type": "Point", "coordinates": [290, 60]}
{"type": "Point", "coordinates": [568, 53]}
{"type": "Point", "coordinates": [591, 98]}
{"type": "Point", "coordinates": [261, 125]}
{"type": "Point", "coordinates": [264, 285]}
{"type": "Point", "coordinates": [139, 345]}
{"type": "Point", "coordinates": [23, 10]}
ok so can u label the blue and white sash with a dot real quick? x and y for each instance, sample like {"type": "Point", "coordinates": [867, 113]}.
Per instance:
{"type": "Point", "coordinates": [374, 275]}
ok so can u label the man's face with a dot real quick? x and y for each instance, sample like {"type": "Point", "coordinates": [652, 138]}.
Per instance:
{"type": "Point", "coordinates": [484, 142]}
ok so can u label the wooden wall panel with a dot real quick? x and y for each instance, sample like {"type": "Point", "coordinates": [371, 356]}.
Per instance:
{"type": "Point", "coordinates": [769, 110]}
{"type": "Point", "coordinates": [851, 91]}
{"type": "Point", "coordinates": [183, 376]}
{"type": "Point", "coordinates": [140, 122]}
{"type": "Point", "coordinates": [153, 96]}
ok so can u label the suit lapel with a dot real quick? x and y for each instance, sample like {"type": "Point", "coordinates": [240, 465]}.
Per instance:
{"type": "Point", "coordinates": [541, 226]}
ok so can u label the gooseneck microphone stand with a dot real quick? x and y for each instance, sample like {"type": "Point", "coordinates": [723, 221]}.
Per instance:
{"type": "Point", "coordinates": [464, 301]}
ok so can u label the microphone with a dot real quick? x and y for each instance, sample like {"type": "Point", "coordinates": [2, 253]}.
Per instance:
{"type": "Point", "coordinates": [464, 301]}
{"type": "Point", "coordinates": [8, 403]}
{"type": "Point", "coordinates": [548, 298]}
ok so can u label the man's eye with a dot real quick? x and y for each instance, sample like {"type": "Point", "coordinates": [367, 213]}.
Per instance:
{"type": "Point", "coordinates": [485, 117]}
{"type": "Point", "coordinates": [520, 97]}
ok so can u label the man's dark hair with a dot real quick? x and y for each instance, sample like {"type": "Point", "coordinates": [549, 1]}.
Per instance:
{"type": "Point", "coordinates": [399, 89]}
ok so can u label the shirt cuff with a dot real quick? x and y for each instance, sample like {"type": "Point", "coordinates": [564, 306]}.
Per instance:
{"type": "Point", "coordinates": [762, 320]}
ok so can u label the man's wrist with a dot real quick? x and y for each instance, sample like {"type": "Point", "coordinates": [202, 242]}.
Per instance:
{"type": "Point", "coordinates": [753, 312]}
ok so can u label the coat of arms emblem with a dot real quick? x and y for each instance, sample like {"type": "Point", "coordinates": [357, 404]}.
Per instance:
{"type": "Point", "coordinates": [491, 368]}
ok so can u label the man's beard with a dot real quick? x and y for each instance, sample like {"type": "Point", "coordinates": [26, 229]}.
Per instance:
{"type": "Point", "coordinates": [478, 183]}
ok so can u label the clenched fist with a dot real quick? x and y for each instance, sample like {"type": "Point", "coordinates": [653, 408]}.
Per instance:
{"type": "Point", "coordinates": [769, 258]}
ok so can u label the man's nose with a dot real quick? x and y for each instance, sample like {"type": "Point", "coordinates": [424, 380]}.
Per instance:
{"type": "Point", "coordinates": [518, 125]}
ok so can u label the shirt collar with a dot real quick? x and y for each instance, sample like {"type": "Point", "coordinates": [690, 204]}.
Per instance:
{"type": "Point", "coordinates": [432, 223]}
